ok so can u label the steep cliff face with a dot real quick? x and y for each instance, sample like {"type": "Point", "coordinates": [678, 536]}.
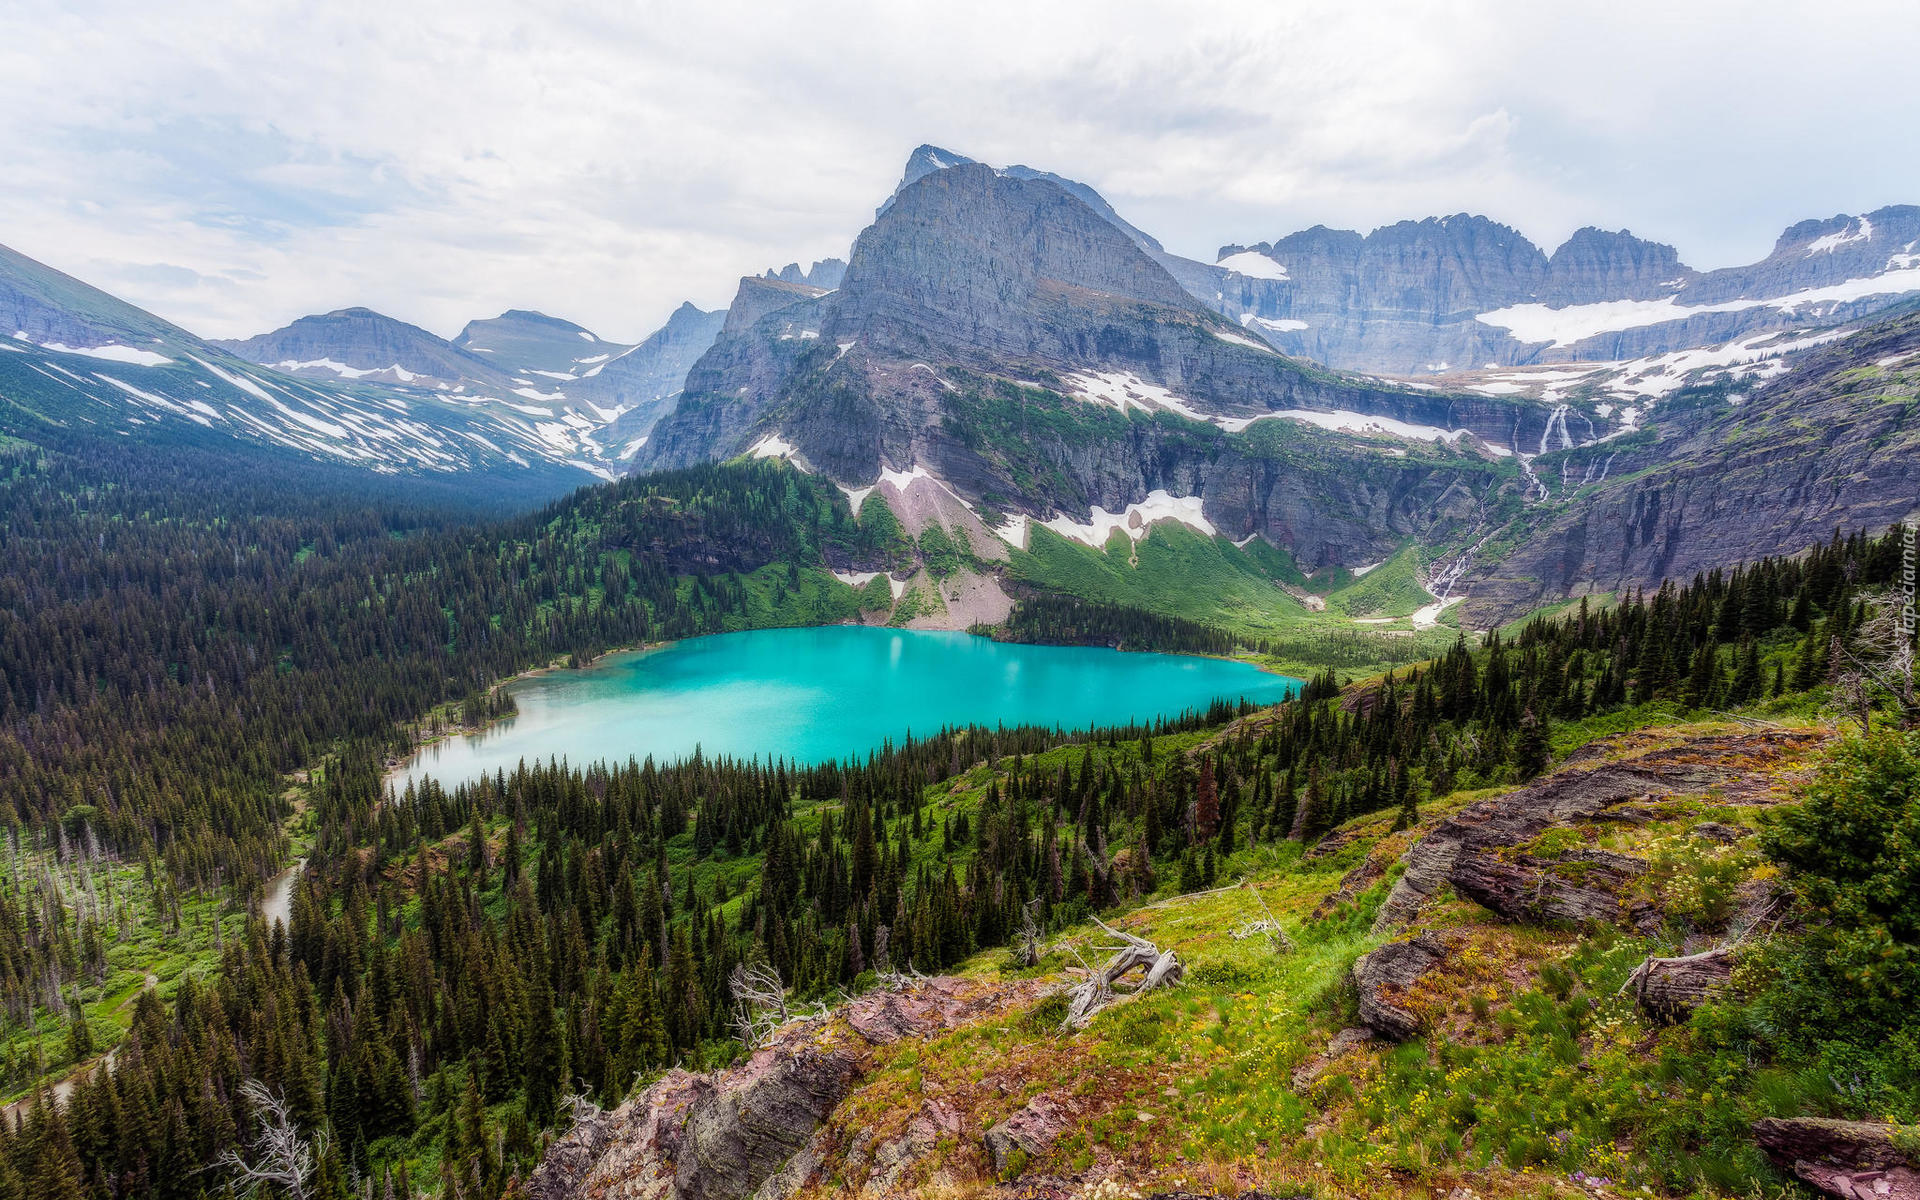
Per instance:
{"type": "Point", "coordinates": [998, 333]}
{"type": "Point", "coordinates": [1821, 253]}
{"type": "Point", "coordinates": [1832, 444]}
{"type": "Point", "coordinates": [825, 274]}
{"type": "Point", "coordinates": [1595, 265]}
{"type": "Point", "coordinates": [1461, 292]}
{"type": "Point", "coordinates": [642, 381]}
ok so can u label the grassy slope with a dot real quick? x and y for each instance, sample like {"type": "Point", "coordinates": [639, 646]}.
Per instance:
{"type": "Point", "coordinates": [1178, 572]}
{"type": "Point", "coordinates": [1540, 1068]}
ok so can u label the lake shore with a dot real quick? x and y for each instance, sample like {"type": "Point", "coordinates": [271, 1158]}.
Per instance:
{"type": "Point", "coordinates": [815, 693]}
{"type": "Point", "coordinates": [419, 740]}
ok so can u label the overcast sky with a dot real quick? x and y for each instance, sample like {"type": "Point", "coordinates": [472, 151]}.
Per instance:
{"type": "Point", "coordinates": [233, 166]}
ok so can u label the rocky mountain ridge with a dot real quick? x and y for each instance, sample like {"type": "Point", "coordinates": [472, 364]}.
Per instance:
{"type": "Point", "coordinates": [83, 360]}
{"type": "Point", "coordinates": [979, 298]}
{"type": "Point", "coordinates": [1427, 297]}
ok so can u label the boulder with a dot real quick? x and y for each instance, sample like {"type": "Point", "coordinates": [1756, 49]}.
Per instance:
{"type": "Point", "coordinates": [1855, 1160]}
{"type": "Point", "coordinates": [1385, 976]}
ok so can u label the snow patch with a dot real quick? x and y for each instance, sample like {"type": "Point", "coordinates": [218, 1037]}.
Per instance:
{"type": "Point", "coordinates": [111, 352]}
{"type": "Point", "coordinates": [1016, 531]}
{"type": "Point", "coordinates": [1234, 339]}
{"type": "Point", "coordinates": [1833, 241]}
{"type": "Point", "coordinates": [1283, 325]}
{"type": "Point", "coordinates": [1345, 421]}
{"type": "Point", "coordinates": [855, 496]}
{"type": "Point", "coordinates": [1576, 322]}
{"type": "Point", "coordinates": [1121, 391]}
{"type": "Point", "coordinates": [240, 381]}
{"type": "Point", "coordinates": [771, 446]}
{"type": "Point", "coordinates": [1160, 505]}
{"type": "Point", "coordinates": [1253, 264]}
{"type": "Point", "coordinates": [1429, 616]}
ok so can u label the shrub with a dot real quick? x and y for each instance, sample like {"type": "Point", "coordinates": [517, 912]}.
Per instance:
{"type": "Point", "coordinates": [1853, 852]}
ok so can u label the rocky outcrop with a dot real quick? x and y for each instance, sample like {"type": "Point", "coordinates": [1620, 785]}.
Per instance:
{"type": "Point", "coordinates": [1854, 1160]}
{"type": "Point", "coordinates": [1579, 887]}
{"type": "Point", "coordinates": [1384, 977]}
{"type": "Point", "coordinates": [1031, 1131]}
{"type": "Point", "coordinates": [1476, 849]}
{"type": "Point", "coordinates": [749, 1129]}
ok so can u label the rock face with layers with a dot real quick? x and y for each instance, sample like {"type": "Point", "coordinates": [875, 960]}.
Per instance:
{"type": "Point", "coordinates": [998, 333]}
{"type": "Point", "coordinates": [1384, 977]}
{"type": "Point", "coordinates": [1475, 850]}
{"type": "Point", "coordinates": [746, 1130]}
{"type": "Point", "coordinates": [1855, 1160]}
{"type": "Point", "coordinates": [1582, 887]}
{"type": "Point", "coordinates": [1832, 444]}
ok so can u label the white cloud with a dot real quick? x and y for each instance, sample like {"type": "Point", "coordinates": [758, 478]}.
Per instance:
{"type": "Point", "coordinates": [232, 166]}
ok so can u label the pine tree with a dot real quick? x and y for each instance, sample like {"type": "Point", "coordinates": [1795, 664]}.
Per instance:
{"type": "Point", "coordinates": [1206, 803]}
{"type": "Point", "coordinates": [1530, 749]}
{"type": "Point", "coordinates": [1747, 681]}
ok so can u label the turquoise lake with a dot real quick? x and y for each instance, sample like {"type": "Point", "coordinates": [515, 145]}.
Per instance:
{"type": "Point", "coordinates": [812, 695]}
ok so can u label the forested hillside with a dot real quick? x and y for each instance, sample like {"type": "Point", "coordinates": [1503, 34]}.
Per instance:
{"type": "Point", "coordinates": [459, 963]}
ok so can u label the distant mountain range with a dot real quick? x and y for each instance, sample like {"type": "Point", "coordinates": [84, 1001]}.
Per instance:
{"type": "Point", "coordinates": [1461, 293]}
{"type": "Point", "coordinates": [1003, 353]}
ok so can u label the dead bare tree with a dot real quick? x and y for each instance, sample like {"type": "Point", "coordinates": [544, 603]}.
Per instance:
{"type": "Point", "coordinates": [759, 1002]}
{"type": "Point", "coordinates": [1030, 933]}
{"type": "Point", "coordinates": [1276, 936]}
{"type": "Point", "coordinates": [1162, 969]}
{"type": "Point", "coordinates": [1877, 659]}
{"type": "Point", "coordinates": [284, 1158]}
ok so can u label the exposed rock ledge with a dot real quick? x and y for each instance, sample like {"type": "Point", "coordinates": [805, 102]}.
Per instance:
{"type": "Point", "coordinates": [1475, 851]}
{"type": "Point", "coordinates": [742, 1131]}
{"type": "Point", "coordinates": [1856, 1160]}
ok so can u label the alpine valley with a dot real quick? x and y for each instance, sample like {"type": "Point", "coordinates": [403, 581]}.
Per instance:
{"type": "Point", "coordinates": [1569, 846]}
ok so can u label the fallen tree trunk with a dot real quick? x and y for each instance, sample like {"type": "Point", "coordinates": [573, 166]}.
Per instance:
{"type": "Point", "coordinates": [1669, 989]}
{"type": "Point", "coordinates": [1162, 969]}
